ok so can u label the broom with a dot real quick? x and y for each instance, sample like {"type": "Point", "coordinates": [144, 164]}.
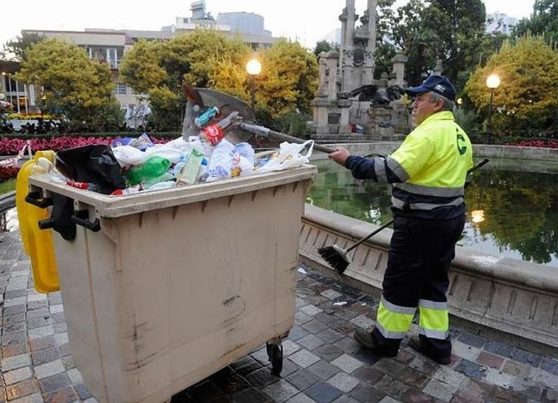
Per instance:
{"type": "Point", "coordinates": [338, 258]}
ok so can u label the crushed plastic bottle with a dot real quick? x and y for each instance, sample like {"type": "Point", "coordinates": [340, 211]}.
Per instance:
{"type": "Point", "coordinates": [206, 116]}
{"type": "Point", "coordinates": [153, 167]}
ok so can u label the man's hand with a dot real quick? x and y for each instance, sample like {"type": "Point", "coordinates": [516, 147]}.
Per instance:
{"type": "Point", "coordinates": [340, 155]}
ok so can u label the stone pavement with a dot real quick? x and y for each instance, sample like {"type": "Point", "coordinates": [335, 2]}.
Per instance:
{"type": "Point", "coordinates": [322, 361]}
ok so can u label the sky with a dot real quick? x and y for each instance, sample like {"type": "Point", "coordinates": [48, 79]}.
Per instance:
{"type": "Point", "coordinates": [308, 21]}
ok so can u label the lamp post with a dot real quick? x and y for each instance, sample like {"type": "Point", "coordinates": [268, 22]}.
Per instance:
{"type": "Point", "coordinates": [253, 68]}
{"type": "Point", "coordinates": [492, 82]}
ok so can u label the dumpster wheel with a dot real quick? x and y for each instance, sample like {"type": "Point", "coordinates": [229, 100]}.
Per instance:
{"type": "Point", "coordinates": [275, 355]}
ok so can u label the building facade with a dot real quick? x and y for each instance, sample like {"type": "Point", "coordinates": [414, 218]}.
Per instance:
{"type": "Point", "coordinates": [109, 46]}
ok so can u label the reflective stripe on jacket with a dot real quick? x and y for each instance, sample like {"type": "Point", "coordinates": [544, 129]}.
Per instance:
{"type": "Point", "coordinates": [428, 170]}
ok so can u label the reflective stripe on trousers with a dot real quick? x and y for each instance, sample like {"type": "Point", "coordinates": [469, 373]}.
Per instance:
{"type": "Point", "coordinates": [433, 319]}
{"type": "Point", "coordinates": [393, 321]}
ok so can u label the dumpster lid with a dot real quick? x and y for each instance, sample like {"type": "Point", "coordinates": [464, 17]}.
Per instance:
{"type": "Point", "coordinates": [118, 206]}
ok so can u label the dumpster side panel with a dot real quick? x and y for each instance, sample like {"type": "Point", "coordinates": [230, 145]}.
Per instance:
{"type": "Point", "coordinates": [81, 307]}
{"type": "Point", "coordinates": [161, 299]}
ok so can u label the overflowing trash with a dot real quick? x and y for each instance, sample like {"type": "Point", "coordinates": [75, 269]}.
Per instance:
{"type": "Point", "coordinates": [204, 153]}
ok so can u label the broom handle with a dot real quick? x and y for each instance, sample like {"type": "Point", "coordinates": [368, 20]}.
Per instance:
{"type": "Point", "coordinates": [367, 237]}
{"type": "Point", "coordinates": [265, 132]}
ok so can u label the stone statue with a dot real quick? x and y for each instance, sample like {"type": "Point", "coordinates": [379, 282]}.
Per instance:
{"type": "Point", "coordinates": [378, 94]}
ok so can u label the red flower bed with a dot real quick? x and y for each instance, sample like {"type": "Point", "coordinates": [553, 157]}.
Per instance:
{"type": "Point", "coordinates": [8, 172]}
{"type": "Point", "coordinates": [11, 146]}
{"type": "Point", "coordinates": [537, 143]}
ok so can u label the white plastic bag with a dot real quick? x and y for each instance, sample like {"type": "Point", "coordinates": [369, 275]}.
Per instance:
{"type": "Point", "coordinates": [291, 155]}
{"type": "Point", "coordinates": [162, 150]}
{"type": "Point", "coordinates": [128, 156]}
{"type": "Point", "coordinates": [220, 162]}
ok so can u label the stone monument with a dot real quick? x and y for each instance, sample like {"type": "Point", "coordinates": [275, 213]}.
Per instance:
{"type": "Point", "coordinates": [348, 96]}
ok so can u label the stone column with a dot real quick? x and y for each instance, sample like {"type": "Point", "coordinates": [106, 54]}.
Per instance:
{"type": "Point", "coordinates": [398, 71]}
{"type": "Point", "coordinates": [331, 60]}
{"type": "Point", "coordinates": [344, 107]}
{"type": "Point", "coordinates": [346, 60]}
{"type": "Point", "coordinates": [320, 113]}
{"type": "Point", "coordinates": [369, 23]}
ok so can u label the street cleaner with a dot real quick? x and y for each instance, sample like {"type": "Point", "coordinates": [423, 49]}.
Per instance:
{"type": "Point", "coordinates": [428, 173]}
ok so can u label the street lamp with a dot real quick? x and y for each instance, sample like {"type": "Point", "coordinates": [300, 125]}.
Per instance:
{"type": "Point", "coordinates": [253, 68]}
{"type": "Point", "coordinates": [492, 82]}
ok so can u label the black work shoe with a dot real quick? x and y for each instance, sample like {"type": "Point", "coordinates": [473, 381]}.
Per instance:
{"type": "Point", "coordinates": [365, 339]}
{"type": "Point", "coordinates": [416, 345]}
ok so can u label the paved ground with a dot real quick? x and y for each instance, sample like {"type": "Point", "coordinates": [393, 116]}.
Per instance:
{"type": "Point", "coordinates": [322, 361]}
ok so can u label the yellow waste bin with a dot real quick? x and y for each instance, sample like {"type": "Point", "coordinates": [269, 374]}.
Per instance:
{"type": "Point", "coordinates": [37, 244]}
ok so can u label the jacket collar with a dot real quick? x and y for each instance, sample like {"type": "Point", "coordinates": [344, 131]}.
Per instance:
{"type": "Point", "coordinates": [444, 115]}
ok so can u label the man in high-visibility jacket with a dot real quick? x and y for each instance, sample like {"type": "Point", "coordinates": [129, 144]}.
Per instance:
{"type": "Point", "coordinates": [428, 173]}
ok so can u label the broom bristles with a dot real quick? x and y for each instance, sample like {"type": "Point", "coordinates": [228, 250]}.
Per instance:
{"type": "Point", "coordinates": [336, 257]}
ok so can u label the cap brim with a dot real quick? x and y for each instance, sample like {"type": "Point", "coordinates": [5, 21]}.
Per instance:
{"type": "Point", "coordinates": [414, 91]}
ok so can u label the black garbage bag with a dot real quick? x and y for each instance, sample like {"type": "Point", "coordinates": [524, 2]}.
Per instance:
{"type": "Point", "coordinates": [93, 163]}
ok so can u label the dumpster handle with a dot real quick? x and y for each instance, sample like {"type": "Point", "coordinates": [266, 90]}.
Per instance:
{"type": "Point", "coordinates": [36, 199]}
{"type": "Point", "coordinates": [82, 218]}
{"type": "Point", "coordinates": [47, 223]}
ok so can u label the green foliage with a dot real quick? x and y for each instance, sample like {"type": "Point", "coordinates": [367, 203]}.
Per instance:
{"type": "Point", "coordinates": [324, 46]}
{"type": "Point", "coordinates": [140, 66]}
{"type": "Point", "coordinates": [385, 49]}
{"type": "Point", "coordinates": [15, 50]}
{"type": "Point", "coordinates": [425, 31]}
{"type": "Point", "coordinates": [74, 86]}
{"type": "Point", "coordinates": [289, 78]}
{"type": "Point", "coordinates": [204, 58]}
{"type": "Point", "coordinates": [467, 119]}
{"type": "Point", "coordinates": [7, 186]}
{"type": "Point", "coordinates": [293, 123]}
{"type": "Point", "coordinates": [207, 58]}
{"type": "Point", "coordinates": [543, 21]}
{"type": "Point", "coordinates": [526, 99]}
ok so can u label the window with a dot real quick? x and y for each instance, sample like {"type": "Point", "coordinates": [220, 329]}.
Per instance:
{"type": "Point", "coordinates": [112, 58]}
{"type": "Point", "coordinates": [120, 89]}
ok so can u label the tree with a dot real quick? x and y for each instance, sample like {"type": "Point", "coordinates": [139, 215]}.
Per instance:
{"type": "Point", "coordinates": [447, 30]}
{"type": "Point", "coordinates": [289, 78]}
{"type": "Point", "coordinates": [207, 58]}
{"type": "Point", "coordinates": [460, 29]}
{"type": "Point", "coordinates": [385, 49]}
{"type": "Point", "coordinates": [543, 21]}
{"type": "Point", "coordinates": [15, 50]}
{"type": "Point", "coordinates": [204, 58]}
{"type": "Point", "coordinates": [413, 38]}
{"type": "Point", "coordinates": [526, 98]}
{"type": "Point", "coordinates": [74, 86]}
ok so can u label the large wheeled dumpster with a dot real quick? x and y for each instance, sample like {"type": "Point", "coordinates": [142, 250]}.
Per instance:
{"type": "Point", "coordinates": [162, 289]}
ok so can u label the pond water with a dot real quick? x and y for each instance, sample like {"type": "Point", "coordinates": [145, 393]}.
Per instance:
{"type": "Point", "coordinates": [519, 200]}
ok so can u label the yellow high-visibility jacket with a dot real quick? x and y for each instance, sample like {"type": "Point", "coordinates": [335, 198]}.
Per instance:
{"type": "Point", "coordinates": [428, 171]}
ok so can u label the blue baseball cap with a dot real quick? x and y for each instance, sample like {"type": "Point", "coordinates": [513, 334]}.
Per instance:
{"type": "Point", "coordinates": [438, 84]}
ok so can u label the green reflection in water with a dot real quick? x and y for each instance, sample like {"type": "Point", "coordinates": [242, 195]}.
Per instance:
{"type": "Point", "coordinates": [519, 199]}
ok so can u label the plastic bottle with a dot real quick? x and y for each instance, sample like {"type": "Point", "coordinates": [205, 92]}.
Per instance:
{"type": "Point", "coordinates": [83, 185]}
{"type": "Point", "coordinates": [153, 167]}
{"type": "Point", "coordinates": [215, 133]}
{"type": "Point", "coordinates": [205, 117]}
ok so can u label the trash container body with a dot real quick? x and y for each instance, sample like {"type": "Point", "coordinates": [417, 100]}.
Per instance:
{"type": "Point", "coordinates": [178, 284]}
